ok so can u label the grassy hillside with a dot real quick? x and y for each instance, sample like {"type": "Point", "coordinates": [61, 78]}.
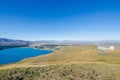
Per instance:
{"type": "Point", "coordinates": [76, 71]}
{"type": "Point", "coordinates": [77, 54]}
{"type": "Point", "coordinates": [68, 63]}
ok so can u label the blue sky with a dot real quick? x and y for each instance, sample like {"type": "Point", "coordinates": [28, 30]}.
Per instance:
{"type": "Point", "coordinates": [60, 19]}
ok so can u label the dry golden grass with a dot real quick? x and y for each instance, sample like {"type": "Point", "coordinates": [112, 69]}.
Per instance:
{"type": "Point", "coordinates": [70, 71]}
{"type": "Point", "coordinates": [68, 63]}
{"type": "Point", "coordinates": [77, 54]}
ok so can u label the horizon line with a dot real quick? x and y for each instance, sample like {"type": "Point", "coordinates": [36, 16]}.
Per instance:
{"type": "Point", "coordinates": [62, 40]}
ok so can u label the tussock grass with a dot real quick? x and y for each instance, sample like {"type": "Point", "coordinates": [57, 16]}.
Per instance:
{"type": "Point", "coordinates": [68, 63]}
{"type": "Point", "coordinates": [77, 54]}
{"type": "Point", "coordinates": [72, 71]}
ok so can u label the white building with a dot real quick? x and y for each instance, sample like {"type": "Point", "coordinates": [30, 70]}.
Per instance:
{"type": "Point", "coordinates": [112, 48]}
{"type": "Point", "coordinates": [106, 48]}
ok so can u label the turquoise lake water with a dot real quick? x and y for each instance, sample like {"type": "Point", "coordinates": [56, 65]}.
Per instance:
{"type": "Point", "coordinates": [16, 54]}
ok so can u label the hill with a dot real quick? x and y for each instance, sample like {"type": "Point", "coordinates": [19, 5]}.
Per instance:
{"type": "Point", "coordinates": [71, 71]}
{"type": "Point", "coordinates": [10, 43]}
{"type": "Point", "coordinates": [87, 53]}
{"type": "Point", "coordinates": [68, 63]}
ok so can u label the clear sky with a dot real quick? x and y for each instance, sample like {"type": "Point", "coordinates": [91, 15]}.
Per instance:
{"type": "Point", "coordinates": [60, 19]}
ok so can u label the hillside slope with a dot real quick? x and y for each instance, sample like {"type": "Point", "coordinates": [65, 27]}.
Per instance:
{"type": "Point", "coordinates": [72, 71]}
{"type": "Point", "coordinates": [68, 63]}
{"type": "Point", "coordinates": [77, 54]}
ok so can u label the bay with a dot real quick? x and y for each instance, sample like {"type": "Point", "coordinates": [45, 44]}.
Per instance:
{"type": "Point", "coordinates": [16, 54]}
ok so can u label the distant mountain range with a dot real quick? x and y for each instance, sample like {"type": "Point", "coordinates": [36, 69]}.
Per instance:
{"type": "Point", "coordinates": [9, 42]}
{"type": "Point", "coordinates": [5, 41]}
{"type": "Point", "coordinates": [77, 42]}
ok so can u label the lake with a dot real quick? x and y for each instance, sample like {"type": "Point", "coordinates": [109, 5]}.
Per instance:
{"type": "Point", "coordinates": [16, 54]}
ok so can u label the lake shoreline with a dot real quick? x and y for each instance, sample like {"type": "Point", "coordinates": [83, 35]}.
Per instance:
{"type": "Point", "coordinates": [13, 55]}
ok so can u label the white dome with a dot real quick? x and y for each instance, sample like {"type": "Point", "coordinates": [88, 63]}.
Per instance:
{"type": "Point", "coordinates": [112, 47]}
